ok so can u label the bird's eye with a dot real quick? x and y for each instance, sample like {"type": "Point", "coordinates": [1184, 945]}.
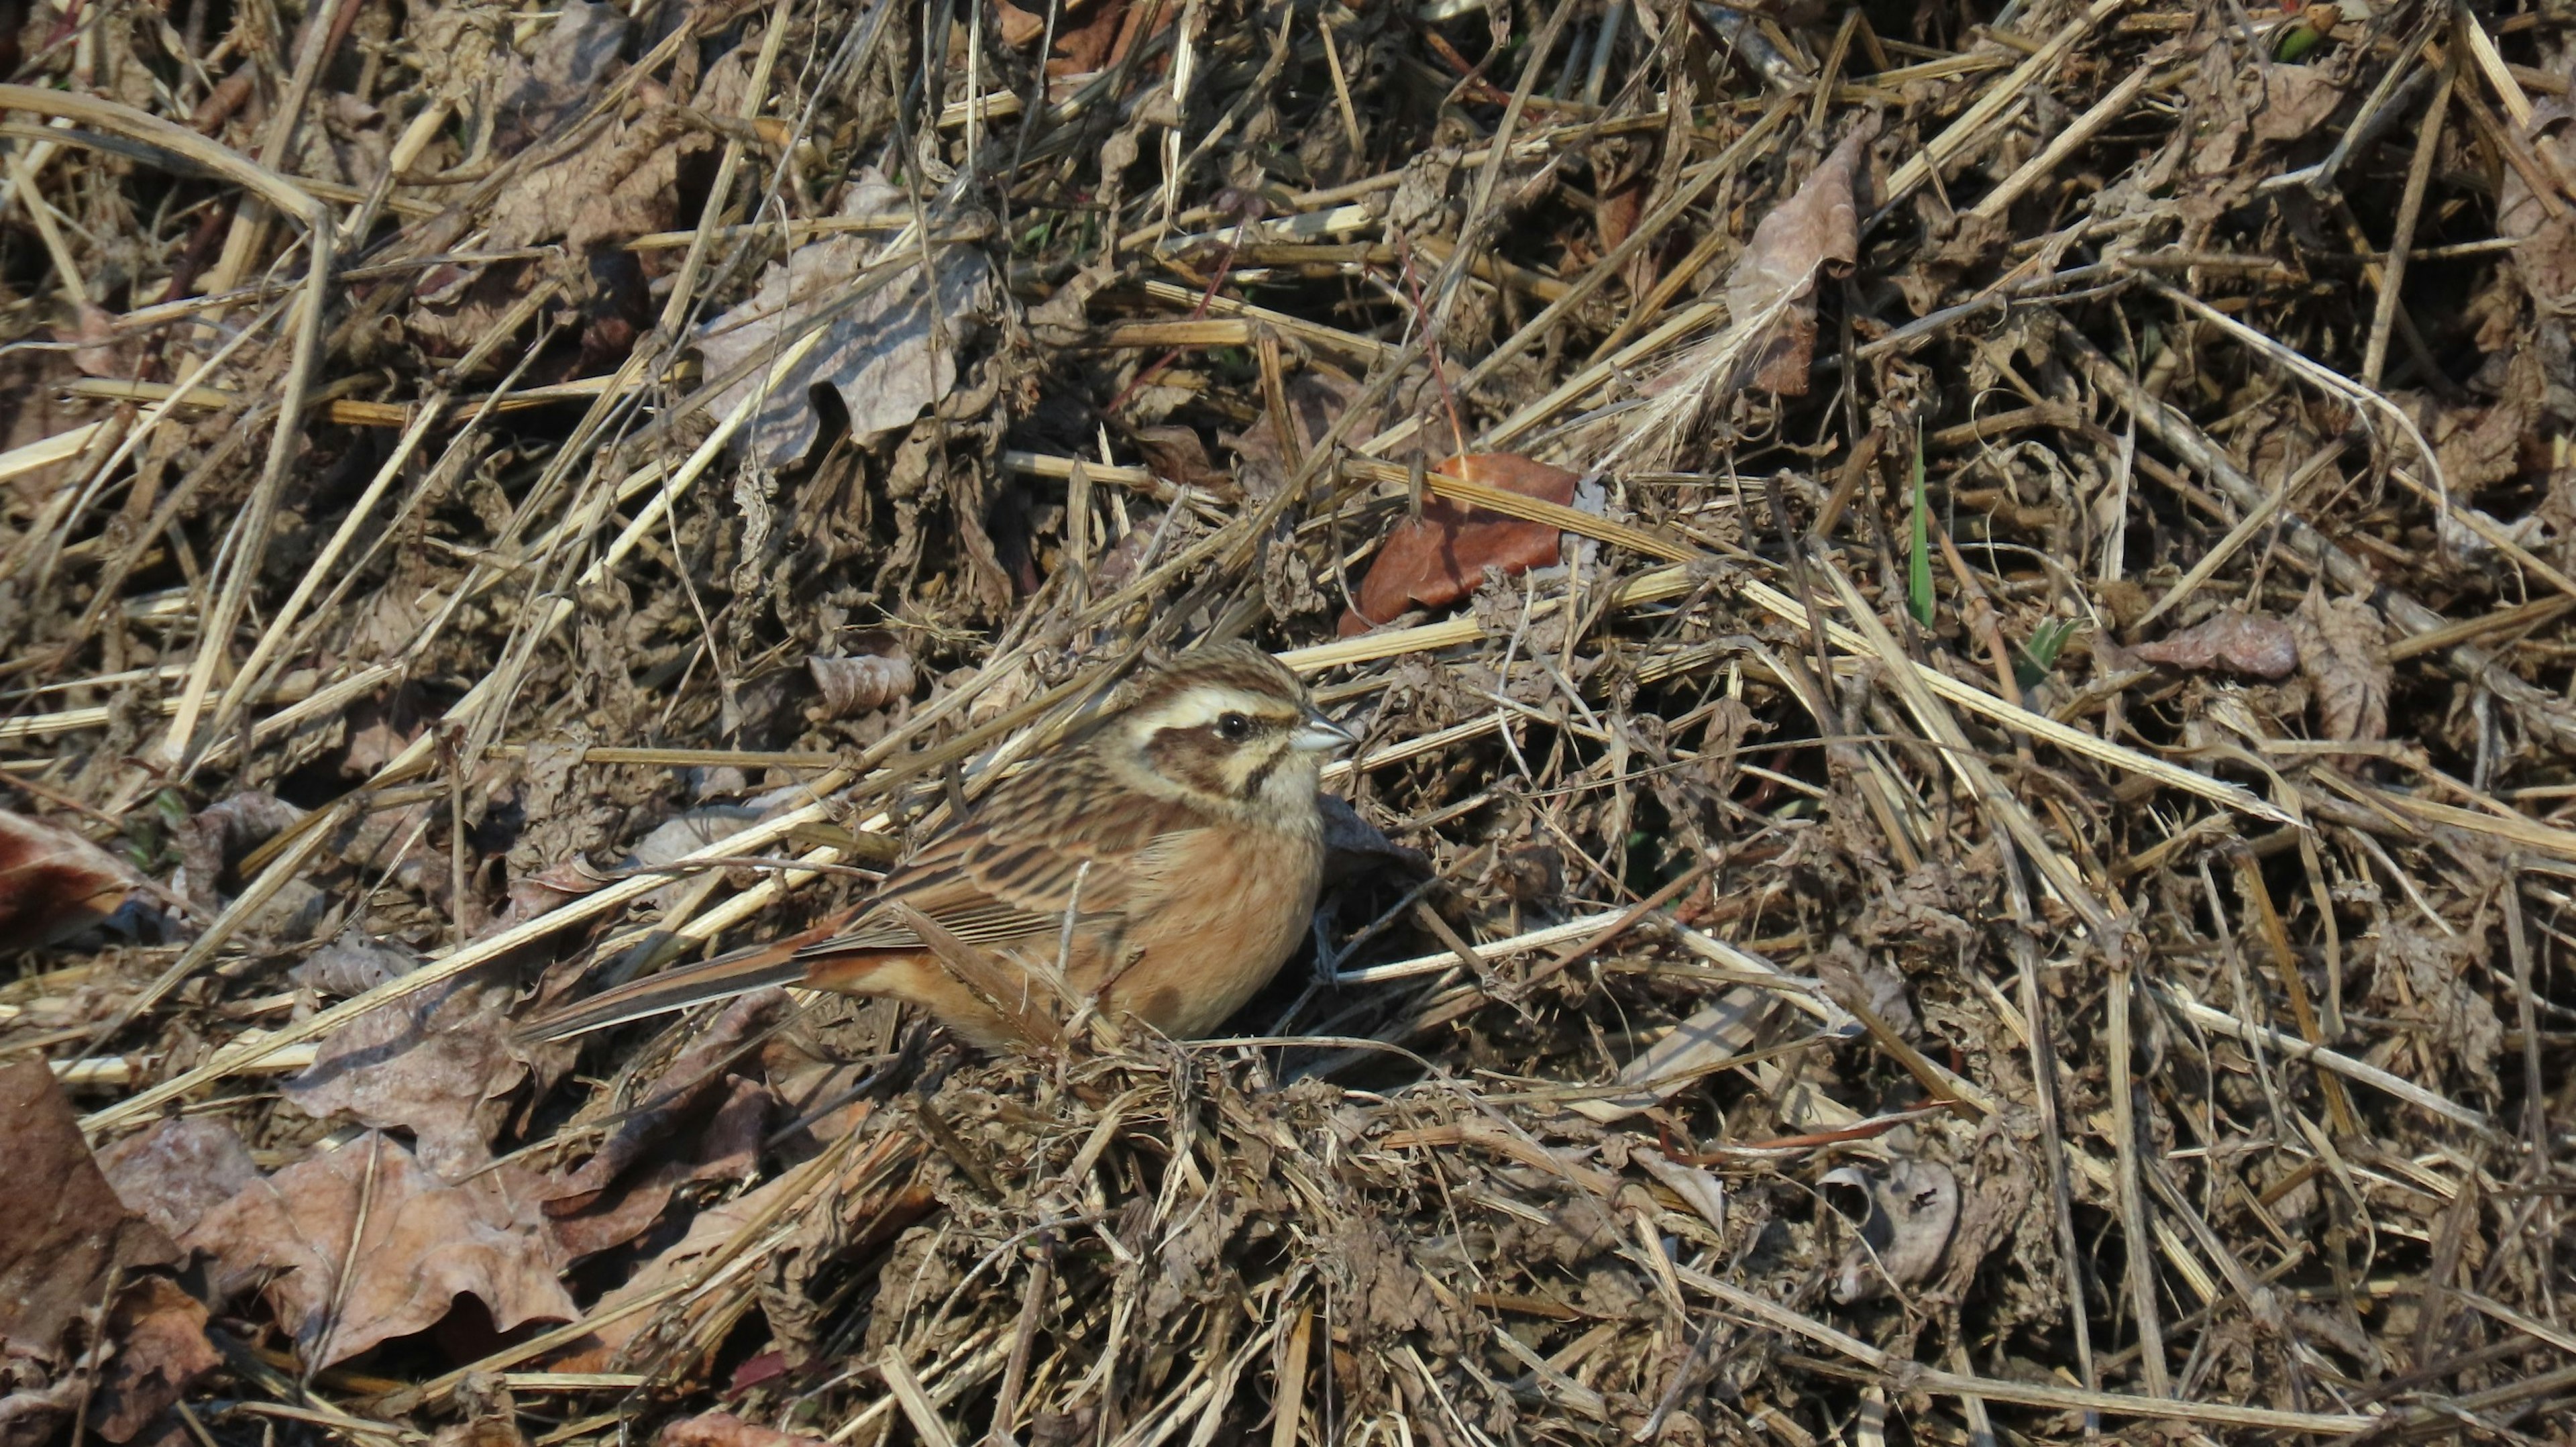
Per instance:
{"type": "Point", "coordinates": [1233, 726]}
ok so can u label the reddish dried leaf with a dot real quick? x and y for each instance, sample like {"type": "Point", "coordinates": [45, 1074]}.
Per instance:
{"type": "Point", "coordinates": [1441, 556]}
{"type": "Point", "coordinates": [723, 1429]}
{"type": "Point", "coordinates": [424, 1244]}
{"type": "Point", "coordinates": [161, 1347]}
{"type": "Point", "coordinates": [694, 1082]}
{"type": "Point", "coordinates": [2250, 643]}
{"type": "Point", "coordinates": [1818, 229]}
{"type": "Point", "coordinates": [53, 882]}
{"type": "Point", "coordinates": [63, 1232]}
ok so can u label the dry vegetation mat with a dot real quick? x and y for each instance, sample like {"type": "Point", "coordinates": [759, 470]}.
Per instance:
{"type": "Point", "coordinates": [1960, 619]}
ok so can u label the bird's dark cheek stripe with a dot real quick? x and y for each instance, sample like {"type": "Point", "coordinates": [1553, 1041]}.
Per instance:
{"type": "Point", "coordinates": [1260, 775]}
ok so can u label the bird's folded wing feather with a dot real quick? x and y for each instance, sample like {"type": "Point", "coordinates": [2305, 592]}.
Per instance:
{"type": "Point", "coordinates": [1013, 871]}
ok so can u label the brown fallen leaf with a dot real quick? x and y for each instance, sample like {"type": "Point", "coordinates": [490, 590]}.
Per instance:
{"type": "Point", "coordinates": [161, 1347]}
{"type": "Point", "coordinates": [439, 1064]}
{"type": "Point", "coordinates": [423, 1245]}
{"type": "Point", "coordinates": [216, 837]}
{"type": "Point", "coordinates": [2343, 651]}
{"type": "Point", "coordinates": [179, 1170]}
{"type": "Point", "coordinates": [724, 1429]}
{"type": "Point", "coordinates": [54, 883]}
{"type": "Point", "coordinates": [879, 354]}
{"type": "Point", "coordinates": [63, 1232]}
{"type": "Point", "coordinates": [2249, 643]}
{"type": "Point", "coordinates": [604, 1202]}
{"type": "Point", "coordinates": [1442, 555]}
{"type": "Point", "coordinates": [571, 62]}
{"type": "Point", "coordinates": [1815, 231]}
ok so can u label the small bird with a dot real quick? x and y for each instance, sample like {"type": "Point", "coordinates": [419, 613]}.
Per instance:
{"type": "Point", "coordinates": [1164, 860]}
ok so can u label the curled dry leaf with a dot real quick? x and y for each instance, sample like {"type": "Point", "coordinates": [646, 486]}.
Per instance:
{"type": "Point", "coordinates": [423, 1244]}
{"type": "Point", "coordinates": [1816, 230]}
{"type": "Point", "coordinates": [862, 684]}
{"type": "Point", "coordinates": [2343, 651]}
{"type": "Point", "coordinates": [2249, 643]}
{"type": "Point", "coordinates": [217, 836]}
{"type": "Point", "coordinates": [1911, 1212]}
{"type": "Point", "coordinates": [54, 883]}
{"type": "Point", "coordinates": [63, 1232]}
{"type": "Point", "coordinates": [1441, 556]}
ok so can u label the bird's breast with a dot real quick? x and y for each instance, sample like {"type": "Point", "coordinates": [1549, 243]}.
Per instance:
{"type": "Point", "coordinates": [1231, 905]}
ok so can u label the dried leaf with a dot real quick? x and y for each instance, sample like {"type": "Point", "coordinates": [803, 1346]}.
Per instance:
{"type": "Point", "coordinates": [221, 833]}
{"type": "Point", "coordinates": [63, 1232]}
{"type": "Point", "coordinates": [179, 1170]}
{"type": "Point", "coordinates": [423, 1245]}
{"type": "Point", "coordinates": [1815, 231]}
{"type": "Point", "coordinates": [863, 684]}
{"type": "Point", "coordinates": [621, 183]}
{"type": "Point", "coordinates": [351, 965]}
{"type": "Point", "coordinates": [883, 355]}
{"type": "Point", "coordinates": [437, 1063]}
{"type": "Point", "coordinates": [567, 67]}
{"type": "Point", "coordinates": [161, 1347]}
{"type": "Point", "coordinates": [1911, 1212]}
{"type": "Point", "coordinates": [2343, 651]}
{"type": "Point", "coordinates": [2249, 643]}
{"type": "Point", "coordinates": [723, 1429]}
{"type": "Point", "coordinates": [681, 1097]}
{"type": "Point", "coordinates": [54, 883]}
{"type": "Point", "coordinates": [1441, 556]}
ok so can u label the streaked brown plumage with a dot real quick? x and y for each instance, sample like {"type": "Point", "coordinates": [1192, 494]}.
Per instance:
{"type": "Point", "coordinates": [1180, 831]}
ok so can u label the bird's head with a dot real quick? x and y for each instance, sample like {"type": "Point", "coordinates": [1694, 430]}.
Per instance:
{"type": "Point", "coordinates": [1230, 726]}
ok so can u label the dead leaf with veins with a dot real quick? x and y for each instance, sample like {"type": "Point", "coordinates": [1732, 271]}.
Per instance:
{"type": "Point", "coordinates": [161, 1348]}
{"type": "Point", "coordinates": [1814, 233]}
{"type": "Point", "coordinates": [179, 1169]}
{"type": "Point", "coordinates": [419, 1245]}
{"type": "Point", "coordinates": [439, 1064]}
{"type": "Point", "coordinates": [2343, 651]}
{"type": "Point", "coordinates": [888, 356]}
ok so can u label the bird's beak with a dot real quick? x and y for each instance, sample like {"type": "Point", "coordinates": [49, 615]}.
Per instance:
{"type": "Point", "coordinates": [1321, 735]}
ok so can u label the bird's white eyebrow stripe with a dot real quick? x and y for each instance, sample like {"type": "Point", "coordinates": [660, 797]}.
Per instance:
{"type": "Point", "coordinates": [1207, 704]}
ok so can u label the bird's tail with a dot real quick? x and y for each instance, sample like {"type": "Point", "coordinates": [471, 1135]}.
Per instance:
{"type": "Point", "coordinates": [779, 962]}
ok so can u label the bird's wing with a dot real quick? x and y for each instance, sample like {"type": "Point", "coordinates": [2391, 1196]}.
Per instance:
{"type": "Point", "coordinates": [1008, 874]}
